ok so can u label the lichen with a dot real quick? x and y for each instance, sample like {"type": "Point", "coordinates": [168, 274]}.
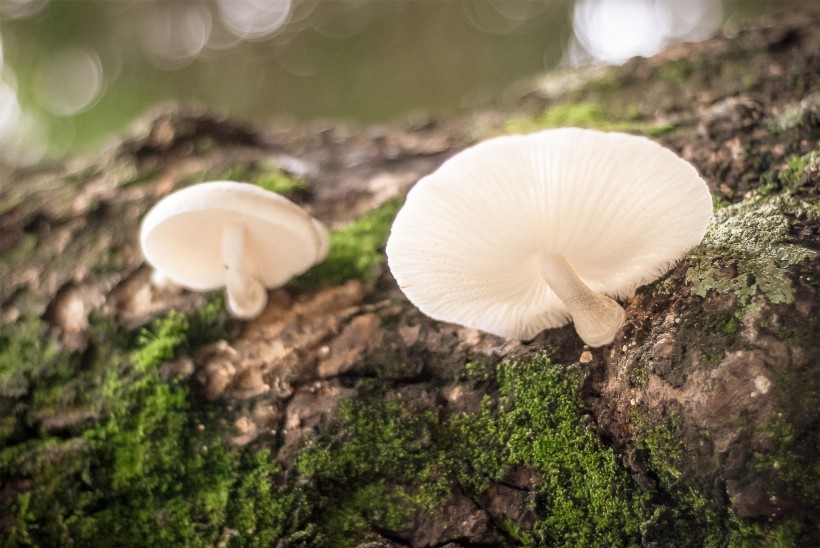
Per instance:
{"type": "Point", "coordinates": [805, 114]}
{"type": "Point", "coordinates": [748, 250]}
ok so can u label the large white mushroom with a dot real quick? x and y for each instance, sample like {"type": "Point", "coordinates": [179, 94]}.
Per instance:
{"type": "Point", "coordinates": [523, 233]}
{"type": "Point", "coordinates": [233, 235]}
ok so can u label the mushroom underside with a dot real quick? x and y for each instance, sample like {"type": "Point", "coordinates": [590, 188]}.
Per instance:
{"type": "Point", "coordinates": [596, 317]}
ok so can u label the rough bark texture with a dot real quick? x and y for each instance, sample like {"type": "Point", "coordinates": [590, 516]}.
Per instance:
{"type": "Point", "coordinates": [388, 428]}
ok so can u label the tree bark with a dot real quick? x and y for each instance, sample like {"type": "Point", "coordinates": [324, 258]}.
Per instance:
{"type": "Point", "coordinates": [708, 396]}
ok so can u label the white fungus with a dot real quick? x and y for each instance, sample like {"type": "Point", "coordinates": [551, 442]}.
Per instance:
{"type": "Point", "coordinates": [233, 235]}
{"type": "Point", "coordinates": [523, 233]}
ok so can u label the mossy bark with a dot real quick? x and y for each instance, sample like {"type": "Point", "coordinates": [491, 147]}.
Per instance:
{"type": "Point", "coordinates": [343, 416]}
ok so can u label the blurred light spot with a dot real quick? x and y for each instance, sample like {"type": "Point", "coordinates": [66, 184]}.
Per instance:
{"type": "Point", "coordinates": [22, 138]}
{"type": "Point", "coordinates": [10, 110]}
{"type": "Point", "coordinates": [20, 9]}
{"type": "Point", "coordinates": [301, 10]}
{"type": "Point", "coordinates": [253, 19]}
{"type": "Point", "coordinates": [690, 20]}
{"type": "Point", "coordinates": [612, 31]}
{"type": "Point", "coordinates": [222, 39]}
{"type": "Point", "coordinates": [70, 81]}
{"type": "Point", "coordinates": [493, 17]}
{"type": "Point", "coordinates": [174, 33]}
{"type": "Point", "coordinates": [29, 144]}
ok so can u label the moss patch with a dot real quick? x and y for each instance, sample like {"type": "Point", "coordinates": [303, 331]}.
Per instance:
{"type": "Point", "coordinates": [143, 473]}
{"type": "Point", "coordinates": [146, 469]}
{"type": "Point", "coordinates": [381, 470]}
{"type": "Point", "coordinates": [262, 174]}
{"type": "Point", "coordinates": [586, 497]}
{"type": "Point", "coordinates": [589, 115]}
{"type": "Point", "coordinates": [356, 250]}
{"type": "Point", "coordinates": [393, 460]}
{"type": "Point", "coordinates": [684, 517]}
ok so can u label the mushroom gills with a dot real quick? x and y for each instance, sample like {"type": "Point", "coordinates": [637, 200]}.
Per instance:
{"type": "Point", "coordinates": [596, 317]}
{"type": "Point", "coordinates": [247, 295]}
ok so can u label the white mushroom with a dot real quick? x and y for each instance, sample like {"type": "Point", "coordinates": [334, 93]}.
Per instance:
{"type": "Point", "coordinates": [523, 233]}
{"type": "Point", "coordinates": [235, 235]}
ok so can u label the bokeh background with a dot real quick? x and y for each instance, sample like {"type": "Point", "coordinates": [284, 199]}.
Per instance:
{"type": "Point", "coordinates": [72, 72]}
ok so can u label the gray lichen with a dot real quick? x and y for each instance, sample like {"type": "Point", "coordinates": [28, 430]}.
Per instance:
{"type": "Point", "coordinates": [748, 250]}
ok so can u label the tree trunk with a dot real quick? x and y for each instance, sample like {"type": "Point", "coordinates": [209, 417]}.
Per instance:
{"type": "Point", "coordinates": [343, 416]}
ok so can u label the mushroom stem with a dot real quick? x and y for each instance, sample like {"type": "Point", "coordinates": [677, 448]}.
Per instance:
{"type": "Point", "coordinates": [597, 318]}
{"type": "Point", "coordinates": [246, 295]}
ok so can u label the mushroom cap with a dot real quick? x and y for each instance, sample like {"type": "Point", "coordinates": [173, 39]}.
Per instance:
{"type": "Point", "coordinates": [467, 245]}
{"type": "Point", "coordinates": [182, 234]}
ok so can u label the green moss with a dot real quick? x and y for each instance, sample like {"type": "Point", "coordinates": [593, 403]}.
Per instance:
{"type": "Point", "coordinates": [686, 518]}
{"type": "Point", "coordinates": [732, 326]}
{"type": "Point", "coordinates": [797, 167]}
{"type": "Point", "coordinates": [108, 262]}
{"type": "Point", "coordinates": [588, 115]}
{"type": "Point", "coordinates": [585, 496]}
{"type": "Point", "coordinates": [26, 246]}
{"type": "Point", "coordinates": [356, 250]}
{"type": "Point", "coordinates": [794, 174]}
{"type": "Point", "coordinates": [679, 71]}
{"type": "Point", "coordinates": [368, 479]}
{"type": "Point", "coordinates": [682, 516]}
{"type": "Point", "coordinates": [792, 462]}
{"type": "Point", "coordinates": [144, 473]}
{"type": "Point", "coordinates": [719, 202]}
{"type": "Point", "coordinates": [664, 447]}
{"type": "Point", "coordinates": [157, 344]}
{"type": "Point", "coordinates": [748, 249]}
{"type": "Point", "coordinates": [26, 354]}
{"type": "Point", "coordinates": [573, 114]}
{"type": "Point", "coordinates": [264, 175]}
{"type": "Point", "coordinates": [279, 182]}
{"type": "Point", "coordinates": [392, 460]}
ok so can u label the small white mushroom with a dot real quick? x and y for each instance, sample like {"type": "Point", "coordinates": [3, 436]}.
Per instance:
{"type": "Point", "coordinates": [523, 233]}
{"type": "Point", "coordinates": [235, 235]}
